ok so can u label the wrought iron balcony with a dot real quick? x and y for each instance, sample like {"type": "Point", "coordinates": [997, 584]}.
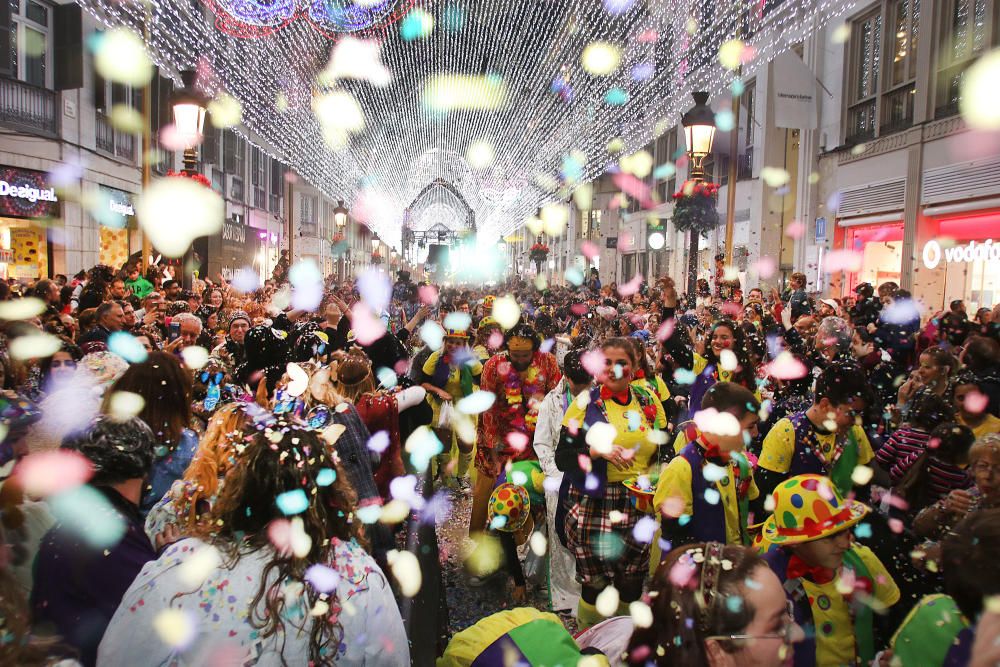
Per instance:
{"type": "Point", "coordinates": [27, 107]}
{"type": "Point", "coordinates": [112, 141]}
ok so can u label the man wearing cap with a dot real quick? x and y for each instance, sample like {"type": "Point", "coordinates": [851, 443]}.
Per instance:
{"type": "Point", "coordinates": [519, 377]}
{"type": "Point", "coordinates": [453, 373]}
{"type": "Point", "coordinates": [90, 557]}
{"type": "Point", "coordinates": [835, 586]}
{"type": "Point", "coordinates": [828, 308]}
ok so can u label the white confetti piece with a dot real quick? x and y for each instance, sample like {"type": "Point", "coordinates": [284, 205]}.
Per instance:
{"type": "Point", "coordinates": [175, 627]}
{"type": "Point", "coordinates": [195, 569]}
{"type": "Point", "coordinates": [476, 403]}
{"type": "Point", "coordinates": [607, 602]}
{"type": "Point", "coordinates": [406, 570]}
{"type": "Point", "coordinates": [194, 356]}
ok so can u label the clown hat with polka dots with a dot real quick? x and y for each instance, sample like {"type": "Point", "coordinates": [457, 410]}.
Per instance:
{"type": "Point", "coordinates": [807, 508]}
{"type": "Point", "coordinates": [509, 507]}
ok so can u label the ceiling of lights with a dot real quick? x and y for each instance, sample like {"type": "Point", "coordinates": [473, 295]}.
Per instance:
{"type": "Point", "coordinates": [268, 57]}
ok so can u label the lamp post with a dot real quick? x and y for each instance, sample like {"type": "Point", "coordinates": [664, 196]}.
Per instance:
{"type": "Point", "coordinates": [189, 107]}
{"type": "Point", "coordinates": [699, 133]}
{"type": "Point", "coordinates": [340, 215]}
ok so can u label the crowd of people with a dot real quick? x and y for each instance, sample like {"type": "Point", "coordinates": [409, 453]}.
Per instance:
{"type": "Point", "coordinates": [205, 474]}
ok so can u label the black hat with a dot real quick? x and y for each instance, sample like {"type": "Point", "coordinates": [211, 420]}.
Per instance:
{"type": "Point", "coordinates": [864, 290]}
{"type": "Point", "coordinates": [266, 349]}
{"type": "Point", "coordinates": [119, 450]}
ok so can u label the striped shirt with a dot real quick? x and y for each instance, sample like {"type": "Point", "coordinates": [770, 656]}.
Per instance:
{"type": "Point", "coordinates": [943, 478]}
{"type": "Point", "coordinates": [904, 443]}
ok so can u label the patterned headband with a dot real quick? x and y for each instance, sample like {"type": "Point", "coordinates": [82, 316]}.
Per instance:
{"type": "Point", "coordinates": [712, 564]}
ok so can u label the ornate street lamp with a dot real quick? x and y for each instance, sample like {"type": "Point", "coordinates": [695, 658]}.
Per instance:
{"type": "Point", "coordinates": [340, 214]}
{"type": "Point", "coordinates": [699, 133]}
{"type": "Point", "coordinates": [189, 107]}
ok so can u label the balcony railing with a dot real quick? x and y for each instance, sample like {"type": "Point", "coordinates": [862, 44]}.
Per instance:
{"type": "Point", "coordinates": [861, 122]}
{"type": "Point", "coordinates": [112, 141]}
{"type": "Point", "coordinates": [27, 107]}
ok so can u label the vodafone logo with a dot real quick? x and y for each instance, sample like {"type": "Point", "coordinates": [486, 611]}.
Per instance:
{"type": "Point", "coordinates": [932, 254]}
{"type": "Point", "coordinates": [973, 251]}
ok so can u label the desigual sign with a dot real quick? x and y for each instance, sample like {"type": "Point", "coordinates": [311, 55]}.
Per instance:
{"type": "Point", "coordinates": [973, 251]}
{"type": "Point", "coordinates": [26, 194]}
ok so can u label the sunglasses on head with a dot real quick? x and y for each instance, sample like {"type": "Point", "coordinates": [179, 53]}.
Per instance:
{"type": "Point", "coordinates": [216, 377]}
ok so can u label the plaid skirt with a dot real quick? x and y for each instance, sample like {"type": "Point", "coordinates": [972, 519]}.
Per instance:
{"type": "Point", "coordinates": [604, 551]}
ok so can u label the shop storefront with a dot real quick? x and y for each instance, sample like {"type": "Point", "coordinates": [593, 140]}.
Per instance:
{"type": "Point", "coordinates": [879, 241]}
{"type": "Point", "coordinates": [238, 246]}
{"type": "Point", "coordinates": [114, 211]}
{"type": "Point", "coordinates": [28, 203]}
{"type": "Point", "coordinates": [965, 250]}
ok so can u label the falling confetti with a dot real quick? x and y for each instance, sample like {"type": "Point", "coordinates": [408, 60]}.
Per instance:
{"type": "Point", "coordinates": [176, 211]}
{"type": "Point", "coordinates": [43, 474]}
{"type": "Point", "coordinates": [601, 58]}
{"type": "Point", "coordinates": [120, 56]}
{"type": "Point", "coordinates": [175, 627]}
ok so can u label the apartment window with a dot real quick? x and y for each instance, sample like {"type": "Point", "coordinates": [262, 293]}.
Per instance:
{"type": "Point", "coordinates": [901, 65]}
{"type": "Point", "coordinates": [30, 42]}
{"type": "Point", "coordinates": [965, 35]}
{"type": "Point", "coordinates": [666, 152]}
{"type": "Point", "coordinates": [744, 169]}
{"type": "Point", "coordinates": [865, 61]}
{"type": "Point", "coordinates": [277, 186]}
{"type": "Point", "coordinates": [229, 141]}
{"type": "Point", "coordinates": [307, 209]}
{"type": "Point", "coordinates": [241, 156]}
{"type": "Point", "coordinates": [236, 192]}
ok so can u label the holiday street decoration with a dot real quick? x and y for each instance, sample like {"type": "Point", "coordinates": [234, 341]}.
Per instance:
{"type": "Point", "coordinates": [539, 252]}
{"type": "Point", "coordinates": [331, 18]}
{"type": "Point", "coordinates": [193, 175]}
{"type": "Point", "coordinates": [563, 89]}
{"type": "Point", "coordinates": [376, 258]}
{"type": "Point", "coordinates": [695, 207]}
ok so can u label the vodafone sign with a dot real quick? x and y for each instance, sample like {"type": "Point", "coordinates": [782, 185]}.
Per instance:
{"type": "Point", "coordinates": [974, 251]}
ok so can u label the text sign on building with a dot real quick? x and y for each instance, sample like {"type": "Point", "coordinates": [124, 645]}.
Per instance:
{"type": "Point", "coordinates": [973, 251]}
{"type": "Point", "coordinates": [27, 194]}
{"type": "Point", "coordinates": [114, 208]}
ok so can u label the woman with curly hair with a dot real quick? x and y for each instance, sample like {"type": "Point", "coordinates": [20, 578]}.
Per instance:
{"type": "Point", "coordinates": [291, 582]}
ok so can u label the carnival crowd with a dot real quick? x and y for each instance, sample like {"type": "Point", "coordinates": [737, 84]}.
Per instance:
{"type": "Point", "coordinates": [216, 475]}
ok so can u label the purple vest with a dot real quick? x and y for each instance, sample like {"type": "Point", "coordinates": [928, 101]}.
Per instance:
{"type": "Point", "coordinates": [804, 460]}
{"type": "Point", "coordinates": [708, 520]}
{"type": "Point", "coordinates": [805, 650]}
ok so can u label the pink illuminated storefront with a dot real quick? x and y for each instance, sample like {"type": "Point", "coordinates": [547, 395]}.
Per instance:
{"type": "Point", "coordinates": [959, 244]}
{"type": "Point", "coordinates": [965, 247]}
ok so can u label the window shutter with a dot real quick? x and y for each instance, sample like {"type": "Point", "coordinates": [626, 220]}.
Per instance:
{"type": "Point", "coordinates": [68, 47]}
{"type": "Point", "coordinates": [5, 64]}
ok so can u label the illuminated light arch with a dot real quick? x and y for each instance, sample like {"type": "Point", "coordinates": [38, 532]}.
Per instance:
{"type": "Point", "coordinates": [251, 19]}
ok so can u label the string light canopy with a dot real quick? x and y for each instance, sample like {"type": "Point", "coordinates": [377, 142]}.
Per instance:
{"type": "Point", "coordinates": [514, 103]}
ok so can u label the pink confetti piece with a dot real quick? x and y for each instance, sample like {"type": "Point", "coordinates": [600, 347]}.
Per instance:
{"type": "Point", "coordinates": [367, 328]}
{"type": "Point", "coordinates": [975, 402]}
{"type": "Point", "coordinates": [589, 249]}
{"type": "Point", "coordinates": [842, 260]}
{"type": "Point", "coordinates": [766, 267]}
{"type": "Point", "coordinates": [428, 295]}
{"type": "Point", "coordinates": [666, 330]}
{"type": "Point", "coordinates": [634, 188]}
{"type": "Point", "coordinates": [631, 287]}
{"type": "Point", "coordinates": [795, 230]}
{"type": "Point", "coordinates": [594, 362]}
{"type": "Point", "coordinates": [47, 473]}
{"type": "Point", "coordinates": [517, 441]}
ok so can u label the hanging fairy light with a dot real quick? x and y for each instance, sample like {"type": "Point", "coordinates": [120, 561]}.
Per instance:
{"type": "Point", "coordinates": [545, 99]}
